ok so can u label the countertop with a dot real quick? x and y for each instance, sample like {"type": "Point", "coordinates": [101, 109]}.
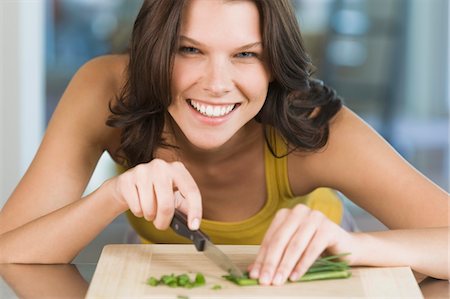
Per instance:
{"type": "Point", "coordinates": [72, 281]}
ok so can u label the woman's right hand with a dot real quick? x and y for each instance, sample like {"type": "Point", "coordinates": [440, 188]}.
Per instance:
{"type": "Point", "coordinates": [153, 190]}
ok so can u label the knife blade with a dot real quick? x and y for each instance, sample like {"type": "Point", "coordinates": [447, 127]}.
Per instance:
{"type": "Point", "coordinates": [221, 259]}
{"type": "Point", "coordinates": [203, 244]}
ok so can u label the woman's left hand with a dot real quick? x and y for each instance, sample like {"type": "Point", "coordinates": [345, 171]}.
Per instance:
{"type": "Point", "coordinates": [294, 240]}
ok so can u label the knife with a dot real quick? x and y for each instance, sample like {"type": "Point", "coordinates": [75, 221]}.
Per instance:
{"type": "Point", "coordinates": [203, 244]}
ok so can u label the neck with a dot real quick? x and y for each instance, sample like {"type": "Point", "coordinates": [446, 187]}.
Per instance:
{"type": "Point", "coordinates": [240, 142]}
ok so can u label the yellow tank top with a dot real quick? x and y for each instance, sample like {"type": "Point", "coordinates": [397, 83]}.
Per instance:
{"type": "Point", "coordinates": [251, 231]}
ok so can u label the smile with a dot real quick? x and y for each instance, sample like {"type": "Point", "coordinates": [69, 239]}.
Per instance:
{"type": "Point", "coordinates": [212, 110]}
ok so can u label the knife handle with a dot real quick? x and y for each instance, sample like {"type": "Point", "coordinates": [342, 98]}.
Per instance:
{"type": "Point", "coordinates": [179, 225]}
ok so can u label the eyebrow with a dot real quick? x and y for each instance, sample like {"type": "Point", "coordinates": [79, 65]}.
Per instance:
{"type": "Point", "coordinates": [199, 44]}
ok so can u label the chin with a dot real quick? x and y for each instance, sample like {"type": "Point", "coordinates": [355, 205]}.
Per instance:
{"type": "Point", "coordinates": [205, 138]}
{"type": "Point", "coordinates": [208, 144]}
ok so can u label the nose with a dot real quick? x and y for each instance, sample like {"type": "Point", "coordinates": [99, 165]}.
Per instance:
{"type": "Point", "coordinates": [218, 77]}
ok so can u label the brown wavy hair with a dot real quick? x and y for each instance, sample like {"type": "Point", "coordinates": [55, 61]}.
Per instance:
{"type": "Point", "coordinates": [141, 108]}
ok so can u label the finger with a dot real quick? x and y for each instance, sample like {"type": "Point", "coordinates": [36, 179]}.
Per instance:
{"type": "Point", "coordinates": [314, 248]}
{"type": "Point", "coordinates": [178, 199]}
{"type": "Point", "coordinates": [148, 201]}
{"type": "Point", "coordinates": [295, 248]}
{"type": "Point", "coordinates": [317, 245]}
{"type": "Point", "coordinates": [276, 224]}
{"type": "Point", "coordinates": [192, 200]}
{"type": "Point", "coordinates": [146, 192]}
{"type": "Point", "coordinates": [131, 194]}
{"type": "Point", "coordinates": [250, 268]}
{"type": "Point", "coordinates": [165, 202]}
{"type": "Point", "coordinates": [271, 271]}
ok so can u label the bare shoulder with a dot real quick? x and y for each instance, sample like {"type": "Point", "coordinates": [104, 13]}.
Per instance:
{"type": "Point", "coordinates": [358, 162]}
{"type": "Point", "coordinates": [348, 135]}
{"type": "Point", "coordinates": [97, 83]}
{"type": "Point", "coordinates": [103, 74]}
{"type": "Point", "coordinates": [75, 138]}
{"type": "Point", "coordinates": [110, 67]}
{"type": "Point", "coordinates": [351, 143]}
{"type": "Point", "coordinates": [311, 164]}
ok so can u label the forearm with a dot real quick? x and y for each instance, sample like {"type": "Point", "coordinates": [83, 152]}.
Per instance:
{"type": "Point", "coordinates": [59, 236]}
{"type": "Point", "coordinates": [424, 250]}
{"type": "Point", "coordinates": [53, 281]}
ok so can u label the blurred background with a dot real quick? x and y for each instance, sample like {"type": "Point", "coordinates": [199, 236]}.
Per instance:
{"type": "Point", "coordinates": [388, 59]}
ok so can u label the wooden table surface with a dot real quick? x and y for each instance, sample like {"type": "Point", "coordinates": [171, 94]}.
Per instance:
{"type": "Point", "coordinates": [122, 272]}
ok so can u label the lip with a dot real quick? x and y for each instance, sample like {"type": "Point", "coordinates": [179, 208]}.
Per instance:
{"type": "Point", "coordinates": [212, 103]}
{"type": "Point", "coordinates": [211, 121]}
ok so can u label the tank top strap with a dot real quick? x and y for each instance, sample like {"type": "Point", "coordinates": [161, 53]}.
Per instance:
{"type": "Point", "coordinates": [276, 166]}
{"type": "Point", "coordinates": [325, 200]}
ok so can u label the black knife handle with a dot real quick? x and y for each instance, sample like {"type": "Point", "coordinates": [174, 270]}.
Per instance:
{"type": "Point", "coordinates": [179, 225]}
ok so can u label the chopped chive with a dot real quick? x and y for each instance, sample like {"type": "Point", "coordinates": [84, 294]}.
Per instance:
{"type": "Point", "coordinates": [325, 275]}
{"type": "Point", "coordinates": [183, 279]}
{"type": "Point", "coordinates": [199, 279]}
{"type": "Point", "coordinates": [323, 268]}
{"type": "Point", "coordinates": [153, 281]}
{"type": "Point", "coordinates": [190, 285]}
{"type": "Point", "coordinates": [168, 279]}
{"type": "Point", "coordinates": [244, 280]}
{"type": "Point", "coordinates": [174, 281]}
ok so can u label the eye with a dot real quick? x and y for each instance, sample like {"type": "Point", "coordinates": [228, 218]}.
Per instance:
{"type": "Point", "coordinates": [246, 55]}
{"type": "Point", "coordinates": [189, 50]}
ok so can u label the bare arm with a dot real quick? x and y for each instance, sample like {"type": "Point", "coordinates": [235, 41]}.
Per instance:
{"type": "Point", "coordinates": [359, 163]}
{"type": "Point", "coordinates": [45, 210]}
{"type": "Point", "coordinates": [367, 170]}
{"type": "Point", "coordinates": [59, 236]}
{"type": "Point", "coordinates": [44, 281]}
{"type": "Point", "coordinates": [45, 220]}
{"type": "Point", "coordinates": [424, 250]}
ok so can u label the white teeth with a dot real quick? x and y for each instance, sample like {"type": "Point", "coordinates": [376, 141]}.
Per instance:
{"type": "Point", "coordinates": [212, 111]}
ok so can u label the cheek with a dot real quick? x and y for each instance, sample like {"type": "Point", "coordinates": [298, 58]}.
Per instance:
{"type": "Point", "coordinates": [182, 76]}
{"type": "Point", "coordinates": [255, 84]}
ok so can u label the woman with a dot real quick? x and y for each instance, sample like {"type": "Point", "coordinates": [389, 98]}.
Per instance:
{"type": "Point", "coordinates": [214, 112]}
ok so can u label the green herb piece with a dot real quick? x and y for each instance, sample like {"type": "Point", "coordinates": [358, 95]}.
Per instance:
{"type": "Point", "coordinates": [199, 279]}
{"type": "Point", "coordinates": [153, 281]}
{"type": "Point", "coordinates": [174, 281]}
{"type": "Point", "coordinates": [190, 285]}
{"type": "Point", "coordinates": [323, 268]}
{"type": "Point", "coordinates": [168, 279]}
{"type": "Point", "coordinates": [182, 297]}
{"type": "Point", "coordinates": [325, 275]}
{"type": "Point", "coordinates": [216, 287]}
{"type": "Point", "coordinates": [244, 280]}
{"type": "Point", "coordinates": [183, 279]}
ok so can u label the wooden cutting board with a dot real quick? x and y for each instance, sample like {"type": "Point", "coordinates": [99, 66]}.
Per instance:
{"type": "Point", "coordinates": [122, 272]}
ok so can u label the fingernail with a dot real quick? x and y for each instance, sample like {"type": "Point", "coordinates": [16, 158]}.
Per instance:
{"type": "Point", "coordinates": [294, 276]}
{"type": "Point", "coordinates": [254, 273]}
{"type": "Point", "coordinates": [195, 224]}
{"type": "Point", "coordinates": [278, 279]}
{"type": "Point", "coordinates": [264, 279]}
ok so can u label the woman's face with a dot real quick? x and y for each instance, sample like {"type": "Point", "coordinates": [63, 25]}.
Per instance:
{"type": "Point", "coordinates": [220, 79]}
